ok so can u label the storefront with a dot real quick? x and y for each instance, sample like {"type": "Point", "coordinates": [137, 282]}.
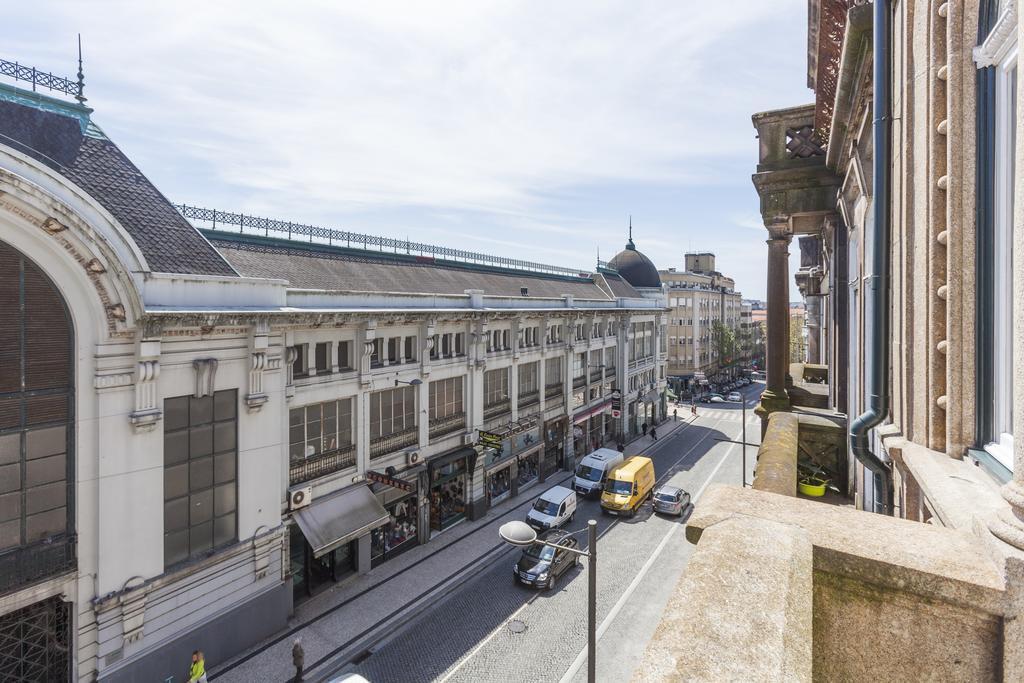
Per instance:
{"type": "Point", "coordinates": [514, 466]}
{"type": "Point", "coordinates": [589, 430]}
{"type": "Point", "coordinates": [312, 574]}
{"type": "Point", "coordinates": [329, 535]}
{"type": "Point", "coordinates": [402, 530]}
{"type": "Point", "coordinates": [554, 446]}
{"type": "Point", "coordinates": [499, 483]}
{"type": "Point", "coordinates": [528, 466]}
{"type": "Point", "coordinates": [449, 476]}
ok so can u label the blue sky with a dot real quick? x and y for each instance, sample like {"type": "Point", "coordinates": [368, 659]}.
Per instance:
{"type": "Point", "coordinates": [529, 129]}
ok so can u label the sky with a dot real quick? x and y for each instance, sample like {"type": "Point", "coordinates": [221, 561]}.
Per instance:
{"type": "Point", "coordinates": [527, 129]}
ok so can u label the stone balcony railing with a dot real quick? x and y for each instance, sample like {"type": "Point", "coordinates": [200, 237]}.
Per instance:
{"type": "Point", "coordinates": [782, 588]}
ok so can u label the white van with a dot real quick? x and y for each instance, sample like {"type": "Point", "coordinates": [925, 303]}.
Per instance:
{"type": "Point", "coordinates": [593, 470]}
{"type": "Point", "coordinates": [555, 507]}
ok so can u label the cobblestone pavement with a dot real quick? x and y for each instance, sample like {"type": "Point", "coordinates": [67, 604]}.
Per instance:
{"type": "Point", "coordinates": [464, 636]}
{"type": "Point", "coordinates": [333, 622]}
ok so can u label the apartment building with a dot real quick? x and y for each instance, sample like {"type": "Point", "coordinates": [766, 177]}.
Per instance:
{"type": "Point", "coordinates": [698, 297]}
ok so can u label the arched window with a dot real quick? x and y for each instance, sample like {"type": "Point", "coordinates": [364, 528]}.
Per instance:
{"type": "Point", "coordinates": [36, 424]}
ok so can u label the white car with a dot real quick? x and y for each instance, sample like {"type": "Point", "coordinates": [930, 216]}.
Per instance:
{"type": "Point", "coordinates": [555, 507]}
{"type": "Point", "coordinates": [734, 396]}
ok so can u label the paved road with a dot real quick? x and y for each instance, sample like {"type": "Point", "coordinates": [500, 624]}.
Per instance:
{"type": "Point", "coordinates": [465, 636]}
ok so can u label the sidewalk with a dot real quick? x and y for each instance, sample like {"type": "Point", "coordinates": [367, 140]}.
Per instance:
{"type": "Point", "coordinates": [331, 623]}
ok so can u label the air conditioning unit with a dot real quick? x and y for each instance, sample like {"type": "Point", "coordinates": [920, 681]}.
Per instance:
{"type": "Point", "coordinates": [412, 458]}
{"type": "Point", "coordinates": [300, 498]}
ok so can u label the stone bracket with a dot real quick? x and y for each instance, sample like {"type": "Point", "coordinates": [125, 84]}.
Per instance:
{"type": "Point", "coordinates": [147, 371]}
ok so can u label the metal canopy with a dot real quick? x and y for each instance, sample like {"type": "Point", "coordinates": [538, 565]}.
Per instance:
{"type": "Point", "coordinates": [334, 521]}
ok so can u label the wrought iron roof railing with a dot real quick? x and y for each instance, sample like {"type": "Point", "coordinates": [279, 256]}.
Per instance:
{"type": "Point", "coordinates": [216, 220]}
{"type": "Point", "coordinates": [44, 79]}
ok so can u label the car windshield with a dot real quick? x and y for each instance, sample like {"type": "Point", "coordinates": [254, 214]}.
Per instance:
{"type": "Point", "coordinates": [588, 473]}
{"type": "Point", "coordinates": [623, 488]}
{"type": "Point", "coordinates": [546, 507]}
{"type": "Point", "coordinates": [667, 497]}
{"type": "Point", "coordinates": [540, 552]}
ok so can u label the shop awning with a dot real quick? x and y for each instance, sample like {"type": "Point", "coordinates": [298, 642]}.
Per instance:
{"type": "Point", "coordinates": [590, 412]}
{"type": "Point", "coordinates": [331, 522]}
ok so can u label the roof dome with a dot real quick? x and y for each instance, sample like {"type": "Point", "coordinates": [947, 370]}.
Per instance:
{"type": "Point", "coordinates": [634, 267]}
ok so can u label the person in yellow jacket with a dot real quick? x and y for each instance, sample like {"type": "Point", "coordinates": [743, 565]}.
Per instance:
{"type": "Point", "coordinates": [197, 672]}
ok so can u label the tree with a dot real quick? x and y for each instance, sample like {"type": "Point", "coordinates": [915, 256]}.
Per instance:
{"type": "Point", "coordinates": [723, 341]}
{"type": "Point", "coordinates": [797, 341]}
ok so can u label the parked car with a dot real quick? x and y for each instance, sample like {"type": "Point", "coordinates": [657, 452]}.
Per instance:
{"type": "Point", "coordinates": [734, 396]}
{"type": "Point", "coordinates": [672, 500]}
{"type": "Point", "coordinates": [593, 470]}
{"type": "Point", "coordinates": [555, 507]}
{"type": "Point", "coordinates": [628, 486]}
{"type": "Point", "coordinates": [541, 565]}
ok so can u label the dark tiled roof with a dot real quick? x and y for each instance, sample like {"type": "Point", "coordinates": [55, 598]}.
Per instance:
{"type": "Point", "coordinates": [635, 268]}
{"type": "Point", "coordinates": [619, 287]}
{"type": "Point", "coordinates": [168, 242]}
{"type": "Point", "coordinates": [322, 267]}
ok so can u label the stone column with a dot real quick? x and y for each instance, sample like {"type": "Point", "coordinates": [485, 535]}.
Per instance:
{"type": "Point", "coordinates": [775, 396]}
{"type": "Point", "coordinates": [814, 327]}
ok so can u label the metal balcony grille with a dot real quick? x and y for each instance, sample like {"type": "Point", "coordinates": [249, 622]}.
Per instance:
{"type": "Point", "coordinates": [393, 442]}
{"type": "Point", "coordinates": [439, 426]}
{"type": "Point", "coordinates": [553, 390]}
{"type": "Point", "coordinates": [529, 398]}
{"type": "Point", "coordinates": [35, 642]}
{"type": "Point", "coordinates": [321, 464]}
{"type": "Point", "coordinates": [218, 220]}
{"type": "Point", "coordinates": [496, 409]}
{"type": "Point", "coordinates": [595, 375]}
{"type": "Point", "coordinates": [30, 563]}
{"type": "Point", "coordinates": [578, 382]}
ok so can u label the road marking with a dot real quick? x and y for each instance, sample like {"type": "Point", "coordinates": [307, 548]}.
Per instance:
{"type": "Point", "coordinates": [497, 630]}
{"type": "Point", "coordinates": [610, 617]}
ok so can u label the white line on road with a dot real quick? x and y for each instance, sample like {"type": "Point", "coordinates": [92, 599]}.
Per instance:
{"type": "Point", "coordinates": [582, 656]}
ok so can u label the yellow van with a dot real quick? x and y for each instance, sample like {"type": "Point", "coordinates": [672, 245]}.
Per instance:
{"type": "Point", "coordinates": [628, 486]}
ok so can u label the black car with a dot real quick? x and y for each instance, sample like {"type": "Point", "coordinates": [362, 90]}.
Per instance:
{"type": "Point", "coordinates": [541, 565]}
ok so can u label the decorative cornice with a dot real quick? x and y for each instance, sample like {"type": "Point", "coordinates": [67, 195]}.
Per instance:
{"type": "Point", "coordinates": [1000, 38]}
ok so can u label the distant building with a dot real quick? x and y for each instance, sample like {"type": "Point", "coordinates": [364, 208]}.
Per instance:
{"type": "Point", "coordinates": [698, 297]}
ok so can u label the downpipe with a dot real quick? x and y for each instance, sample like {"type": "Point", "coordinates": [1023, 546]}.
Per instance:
{"type": "Point", "coordinates": [879, 282]}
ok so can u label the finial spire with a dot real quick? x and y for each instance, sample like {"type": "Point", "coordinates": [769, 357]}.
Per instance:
{"type": "Point", "coordinates": [81, 75]}
{"type": "Point", "coordinates": [629, 244]}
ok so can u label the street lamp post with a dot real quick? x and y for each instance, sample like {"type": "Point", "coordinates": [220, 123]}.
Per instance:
{"type": "Point", "coordinates": [521, 534]}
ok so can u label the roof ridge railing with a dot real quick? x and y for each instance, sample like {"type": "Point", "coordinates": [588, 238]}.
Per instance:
{"type": "Point", "coordinates": [43, 79]}
{"type": "Point", "coordinates": [217, 220]}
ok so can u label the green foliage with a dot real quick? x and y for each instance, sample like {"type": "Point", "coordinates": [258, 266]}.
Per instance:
{"type": "Point", "coordinates": [725, 343]}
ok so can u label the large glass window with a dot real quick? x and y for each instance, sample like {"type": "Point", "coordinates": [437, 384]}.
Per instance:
{"type": "Point", "coordinates": [553, 372]}
{"type": "Point", "coordinates": [446, 397]}
{"type": "Point", "coordinates": [319, 428]}
{"type": "Point", "coordinates": [528, 378]}
{"type": "Point", "coordinates": [200, 463]}
{"type": "Point", "coordinates": [36, 434]}
{"type": "Point", "coordinates": [392, 411]}
{"type": "Point", "coordinates": [495, 386]}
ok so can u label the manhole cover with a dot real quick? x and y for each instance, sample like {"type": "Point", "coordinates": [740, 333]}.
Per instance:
{"type": "Point", "coordinates": [516, 626]}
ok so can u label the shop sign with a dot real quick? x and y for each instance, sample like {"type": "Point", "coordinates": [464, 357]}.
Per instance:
{"type": "Point", "coordinates": [616, 413]}
{"type": "Point", "coordinates": [616, 403]}
{"type": "Point", "coordinates": [382, 478]}
{"type": "Point", "coordinates": [490, 440]}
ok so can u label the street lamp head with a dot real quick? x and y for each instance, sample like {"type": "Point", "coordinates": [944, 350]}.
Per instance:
{"type": "Point", "coordinates": [412, 382]}
{"type": "Point", "coordinates": [517, 533]}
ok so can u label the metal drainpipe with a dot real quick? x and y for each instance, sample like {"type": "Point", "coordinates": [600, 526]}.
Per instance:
{"type": "Point", "coordinates": [878, 348]}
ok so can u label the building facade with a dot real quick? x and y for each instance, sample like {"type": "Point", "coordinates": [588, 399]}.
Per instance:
{"type": "Point", "coordinates": [699, 298]}
{"type": "Point", "coordinates": [200, 426]}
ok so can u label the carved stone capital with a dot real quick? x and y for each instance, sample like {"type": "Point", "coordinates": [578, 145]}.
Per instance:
{"type": "Point", "coordinates": [206, 373]}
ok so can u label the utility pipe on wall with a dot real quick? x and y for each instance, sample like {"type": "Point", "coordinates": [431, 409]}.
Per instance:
{"type": "Point", "coordinates": [879, 366]}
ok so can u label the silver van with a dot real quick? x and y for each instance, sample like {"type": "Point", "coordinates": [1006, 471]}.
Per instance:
{"type": "Point", "coordinates": [593, 470]}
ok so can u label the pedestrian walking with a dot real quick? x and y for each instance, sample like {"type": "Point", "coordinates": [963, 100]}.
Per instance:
{"type": "Point", "coordinates": [298, 659]}
{"type": "Point", "coordinates": [675, 414]}
{"type": "Point", "coordinates": [644, 427]}
{"type": "Point", "coordinates": [693, 409]}
{"type": "Point", "coordinates": [654, 433]}
{"type": "Point", "coordinates": [197, 672]}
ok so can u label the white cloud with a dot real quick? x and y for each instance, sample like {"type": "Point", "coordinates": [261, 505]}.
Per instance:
{"type": "Point", "coordinates": [327, 111]}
